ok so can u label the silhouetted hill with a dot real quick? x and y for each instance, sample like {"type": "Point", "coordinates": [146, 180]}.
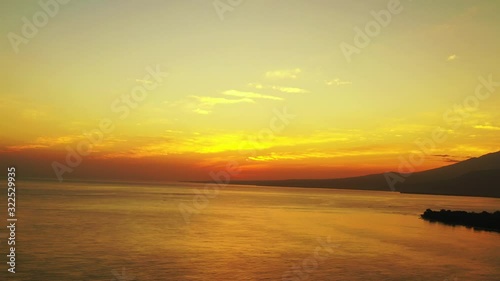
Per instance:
{"type": "Point", "coordinates": [476, 183]}
{"type": "Point", "coordinates": [473, 177]}
{"type": "Point", "coordinates": [369, 182]}
{"type": "Point", "coordinates": [490, 161]}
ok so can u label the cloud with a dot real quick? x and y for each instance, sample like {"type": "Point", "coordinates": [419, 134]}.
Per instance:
{"type": "Point", "coordinates": [441, 155]}
{"type": "Point", "coordinates": [249, 95]}
{"type": "Point", "coordinates": [26, 146]}
{"type": "Point", "coordinates": [257, 86]}
{"type": "Point", "coordinates": [451, 158]}
{"type": "Point", "coordinates": [214, 101]}
{"type": "Point", "coordinates": [288, 156]}
{"type": "Point", "coordinates": [44, 142]}
{"type": "Point", "coordinates": [451, 57]}
{"type": "Point", "coordinates": [487, 127]}
{"type": "Point", "coordinates": [284, 74]}
{"type": "Point", "coordinates": [202, 111]}
{"type": "Point", "coordinates": [337, 82]}
{"type": "Point", "coordinates": [204, 105]}
{"type": "Point", "coordinates": [290, 90]}
{"type": "Point", "coordinates": [274, 156]}
{"type": "Point", "coordinates": [186, 143]}
{"type": "Point", "coordinates": [210, 142]}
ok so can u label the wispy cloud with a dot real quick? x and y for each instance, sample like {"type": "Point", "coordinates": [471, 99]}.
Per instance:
{"type": "Point", "coordinates": [451, 57]}
{"type": "Point", "coordinates": [291, 90]}
{"type": "Point", "coordinates": [441, 155]}
{"type": "Point", "coordinates": [337, 82]}
{"type": "Point", "coordinates": [274, 156]}
{"type": "Point", "coordinates": [205, 105]}
{"type": "Point", "coordinates": [45, 142]}
{"type": "Point", "coordinates": [284, 73]}
{"type": "Point", "coordinates": [202, 111]}
{"type": "Point", "coordinates": [26, 146]}
{"type": "Point", "coordinates": [51, 142]}
{"type": "Point", "coordinates": [451, 158]}
{"type": "Point", "coordinates": [487, 127]}
{"type": "Point", "coordinates": [213, 101]}
{"type": "Point", "coordinates": [257, 86]}
{"type": "Point", "coordinates": [249, 95]}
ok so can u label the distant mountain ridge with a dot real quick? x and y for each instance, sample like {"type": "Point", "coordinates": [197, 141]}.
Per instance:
{"type": "Point", "coordinates": [479, 176]}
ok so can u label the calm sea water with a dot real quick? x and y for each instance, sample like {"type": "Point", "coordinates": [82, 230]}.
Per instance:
{"type": "Point", "coordinates": [82, 231]}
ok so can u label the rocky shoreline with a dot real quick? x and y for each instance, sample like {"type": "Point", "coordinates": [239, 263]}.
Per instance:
{"type": "Point", "coordinates": [479, 221]}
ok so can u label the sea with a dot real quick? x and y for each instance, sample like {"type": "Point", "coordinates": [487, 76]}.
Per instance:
{"type": "Point", "coordinates": [93, 231]}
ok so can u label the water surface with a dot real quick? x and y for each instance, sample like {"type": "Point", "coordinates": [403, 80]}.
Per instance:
{"type": "Point", "coordinates": [90, 231]}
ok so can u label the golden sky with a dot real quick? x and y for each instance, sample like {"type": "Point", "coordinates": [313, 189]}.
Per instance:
{"type": "Point", "coordinates": [179, 89]}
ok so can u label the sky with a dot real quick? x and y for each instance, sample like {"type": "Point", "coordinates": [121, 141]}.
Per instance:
{"type": "Point", "coordinates": [185, 90]}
